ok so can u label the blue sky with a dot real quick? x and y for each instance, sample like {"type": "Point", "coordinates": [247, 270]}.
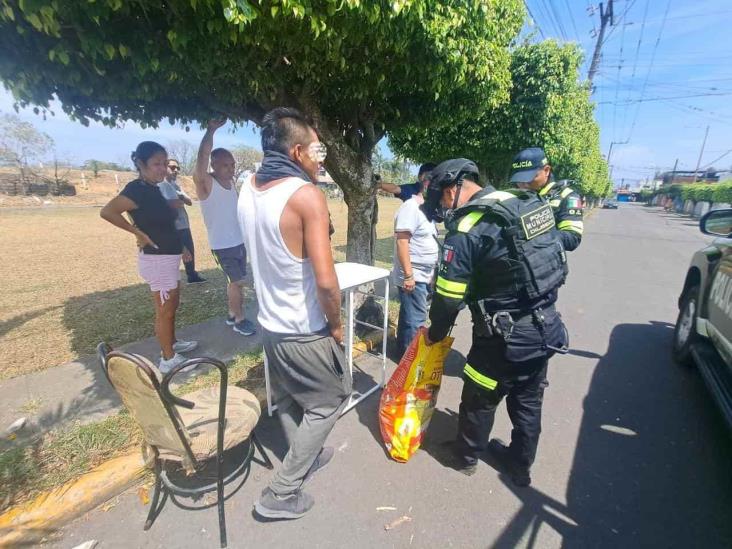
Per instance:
{"type": "Point", "coordinates": [693, 57]}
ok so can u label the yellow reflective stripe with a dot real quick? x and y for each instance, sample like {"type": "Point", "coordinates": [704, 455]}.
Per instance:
{"type": "Point", "coordinates": [555, 203]}
{"type": "Point", "coordinates": [451, 286]}
{"type": "Point", "coordinates": [451, 295]}
{"type": "Point", "coordinates": [546, 188]}
{"type": "Point", "coordinates": [572, 226]}
{"type": "Point", "coordinates": [467, 222]}
{"type": "Point", "coordinates": [566, 192]}
{"type": "Point", "coordinates": [479, 379]}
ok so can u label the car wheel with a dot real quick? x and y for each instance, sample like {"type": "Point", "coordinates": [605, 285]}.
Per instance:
{"type": "Point", "coordinates": [685, 334]}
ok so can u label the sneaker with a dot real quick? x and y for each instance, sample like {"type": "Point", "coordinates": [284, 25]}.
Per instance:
{"type": "Point", "coordinates": [502, 455]}
{"type": "Point", "coordinates": [448, 455]}
{"type": "Point", "coordinates": [292, 506]}
{"type": "Point", "coordinates": [245, 328]}
{"type": "Point", "coordinates": [196, 279]}
{"type": "Point", "coordinates": [323, 459]}
{"type": "Point", "coordinates": [181, 346]}
{"type": "Point", "coordinates": [230, 320]}
{"type": "Point", "coordinates": [167, 365]}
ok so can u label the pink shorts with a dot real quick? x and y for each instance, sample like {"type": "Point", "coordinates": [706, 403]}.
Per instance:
{"type": "Point", "coordinates": [161, 272]}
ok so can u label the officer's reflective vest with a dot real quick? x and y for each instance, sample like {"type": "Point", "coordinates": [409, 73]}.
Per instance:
{"type": "Point", "coordinates": [535, 262]}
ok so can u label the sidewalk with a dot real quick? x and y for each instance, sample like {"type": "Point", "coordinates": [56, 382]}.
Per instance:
{"type": "Point", "coordinates": [78, 390]}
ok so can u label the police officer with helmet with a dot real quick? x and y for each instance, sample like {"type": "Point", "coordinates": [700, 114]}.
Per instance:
{"type": "Point", "coordinates": [503, 258]}
{"type": "Point", "coordinates": [530, 168]}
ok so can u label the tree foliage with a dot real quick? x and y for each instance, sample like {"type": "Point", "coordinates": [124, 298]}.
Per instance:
{"type": "Point", "coordinates": [549, 107]}
{"type": "Point", "coordinates": [360, 68]}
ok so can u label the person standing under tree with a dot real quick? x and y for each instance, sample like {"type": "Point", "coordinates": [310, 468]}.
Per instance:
{"type": "Point", "coordinates": [178, 200]}
{"type": "Point", "coordinates": [285, 220]}
{"type": "Point", "coordinates": [217, 195]}
{"type": "Point", "coordinates": [415, 257]}
{"type": "Point", "coordinates": [159, 243]}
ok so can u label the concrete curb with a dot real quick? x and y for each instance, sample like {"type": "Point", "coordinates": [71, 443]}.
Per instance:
{"type": "Point", "coordinates": [31, 522]}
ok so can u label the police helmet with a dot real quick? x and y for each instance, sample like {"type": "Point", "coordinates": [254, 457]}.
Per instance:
{"type": "Point", "coordinates": [447, 173]}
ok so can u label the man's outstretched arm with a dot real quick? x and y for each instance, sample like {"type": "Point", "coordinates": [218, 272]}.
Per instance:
{"type": "Point", "coordinates": [201, 177]}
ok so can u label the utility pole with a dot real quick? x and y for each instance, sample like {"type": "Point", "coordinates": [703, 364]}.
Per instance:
{"type": "Point", "coordinates": [673, 173]}
{"type": "Point", "coordinates": [701, 152]}
{"type": "Point", "coordinates": [606, 16]}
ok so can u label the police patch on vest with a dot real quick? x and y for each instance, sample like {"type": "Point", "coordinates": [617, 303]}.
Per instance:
{"type": "Point", "coordinates": [537, 222]}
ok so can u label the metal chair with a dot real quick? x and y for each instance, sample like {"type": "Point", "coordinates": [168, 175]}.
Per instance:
{"type": "Point", "coordinates": [189, 432]}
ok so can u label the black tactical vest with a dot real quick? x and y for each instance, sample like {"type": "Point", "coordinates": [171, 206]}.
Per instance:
{"type": "Point", "coordinates": [530, 261]}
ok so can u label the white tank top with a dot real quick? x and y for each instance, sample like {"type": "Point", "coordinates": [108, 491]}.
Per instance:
{"type": "Point", "coordinates": [285, 284]}
{"type": "Point", "coordinates": [219, 215]}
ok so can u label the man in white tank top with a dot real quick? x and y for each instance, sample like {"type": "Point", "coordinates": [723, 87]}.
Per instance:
{"type": "Point", "coordinates": [285, 222]}
{"type": "Point", "coordinates": [217, 197]}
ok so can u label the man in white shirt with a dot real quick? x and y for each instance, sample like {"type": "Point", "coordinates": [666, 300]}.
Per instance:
{"type": "Point", "coordinates": [415, 257]}
{"type": "Point", "coordinates": [178, 200]}
{"type": "Point", "coordinates": [218, 198]}
{"type": "Point", "coordinates": [285, 219]}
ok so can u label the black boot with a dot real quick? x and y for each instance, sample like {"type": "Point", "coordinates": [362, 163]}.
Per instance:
{"type": "Point", "coordinates": [448, 454]}
{"type": "Point", "coordinates": [501, 454]}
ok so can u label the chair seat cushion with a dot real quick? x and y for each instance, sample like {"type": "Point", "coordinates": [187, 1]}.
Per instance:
{"type": "Point", "coordinates": [242, 414]}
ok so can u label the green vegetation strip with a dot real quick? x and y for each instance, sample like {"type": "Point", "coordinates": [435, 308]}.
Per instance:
{"type": "Point", "coordinates": [61, 456]}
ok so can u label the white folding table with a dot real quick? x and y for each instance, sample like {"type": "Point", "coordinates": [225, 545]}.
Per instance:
{"type": "Point", "coordinates": [351, 276]}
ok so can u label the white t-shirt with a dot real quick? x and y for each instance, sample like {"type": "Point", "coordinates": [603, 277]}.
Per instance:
{"type": "Point", "coordinates": [423, 249]}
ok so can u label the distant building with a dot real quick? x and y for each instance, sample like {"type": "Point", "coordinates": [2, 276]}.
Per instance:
{"type": "Point", "coordinates": [708, 176]}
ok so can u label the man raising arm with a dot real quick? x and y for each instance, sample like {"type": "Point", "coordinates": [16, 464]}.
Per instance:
{"type": "Point", "coordinates": [218, 198]}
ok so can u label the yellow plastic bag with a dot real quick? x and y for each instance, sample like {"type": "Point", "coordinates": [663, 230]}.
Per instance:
{"type": "Point", "coordinates": [410, 396]}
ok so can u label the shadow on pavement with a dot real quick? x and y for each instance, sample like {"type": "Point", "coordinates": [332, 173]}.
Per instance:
{"type": "Point", "coordinates": [651, 466]}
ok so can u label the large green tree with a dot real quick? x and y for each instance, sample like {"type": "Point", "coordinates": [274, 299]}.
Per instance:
{"type": "Point", "coordinates": [360, 68]}
{"type": "Point", "coordinates": [550, 107]}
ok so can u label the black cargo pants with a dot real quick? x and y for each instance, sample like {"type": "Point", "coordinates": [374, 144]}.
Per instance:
{"type": "Point", "coordinates": [489, 377]}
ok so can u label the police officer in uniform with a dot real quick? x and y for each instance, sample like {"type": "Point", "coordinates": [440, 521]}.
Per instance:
{"type": "Point", "coordinates": [503, 258]}
{"type": "Point", "coordinates": [530, 169]}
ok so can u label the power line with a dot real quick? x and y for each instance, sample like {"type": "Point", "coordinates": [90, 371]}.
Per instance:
{"type": "Point", "coordinates": [718, 158]}
{"type": "Point", "coordinates": [637, 54]}
{"type": "Point", "coordinates": [650, 68]}
{"type": "Point", "coordinates": [652, 99]}
{"type": "Point", "coordinates": [617, 84]}
{"type": "Point", "coordinates": [528, 9]}
{"type": "Point", "coordinates": [571, 18]}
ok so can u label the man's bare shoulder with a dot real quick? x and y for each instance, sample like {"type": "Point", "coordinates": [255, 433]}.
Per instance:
{"type": "Point", "coordinates": [307, 199]}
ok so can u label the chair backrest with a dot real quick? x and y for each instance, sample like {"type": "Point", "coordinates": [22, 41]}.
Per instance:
{"type": "Point", "coordinates": [136, 382]}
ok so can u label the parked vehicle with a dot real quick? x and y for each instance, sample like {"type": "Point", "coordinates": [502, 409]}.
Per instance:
{"type": "Point", "coordinates": [703, 333]}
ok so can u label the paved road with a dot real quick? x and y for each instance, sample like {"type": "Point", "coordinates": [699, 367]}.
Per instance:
{"type": "Point", "coordinates": [633, 452]}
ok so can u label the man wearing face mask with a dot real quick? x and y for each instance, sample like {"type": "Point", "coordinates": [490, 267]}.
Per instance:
{"type": "Point", "coordinates": [502, 258]}
{"type": "Point", "coordinates": [285, 221]}
{"type": "Point", "coordinates": [530, 169]}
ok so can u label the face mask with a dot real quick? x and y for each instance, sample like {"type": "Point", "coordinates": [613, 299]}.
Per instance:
{"type": "Point", "coordinates": [317, 152]}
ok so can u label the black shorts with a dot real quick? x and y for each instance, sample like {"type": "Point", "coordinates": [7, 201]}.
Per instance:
{"type": "Point", "coordinates": [233, 261]}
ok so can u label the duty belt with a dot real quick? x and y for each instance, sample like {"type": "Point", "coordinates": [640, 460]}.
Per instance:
{"type": "Point", "coordinates": [501, 324]}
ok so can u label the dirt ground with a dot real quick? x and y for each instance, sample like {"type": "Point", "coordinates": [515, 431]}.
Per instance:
{"type": "Point", "coordinates": [70, 279]}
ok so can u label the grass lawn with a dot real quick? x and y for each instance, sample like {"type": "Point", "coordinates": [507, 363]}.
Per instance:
{"type": "Point", "coordinates": [61, 456]}
{"type": "Point", "coordinates": [70, 280]}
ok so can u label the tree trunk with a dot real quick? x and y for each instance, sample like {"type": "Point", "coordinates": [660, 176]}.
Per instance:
{"type": "Point", "coordinates": [353, 174]}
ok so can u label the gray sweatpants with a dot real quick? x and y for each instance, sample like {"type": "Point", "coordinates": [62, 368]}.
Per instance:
{"type": "Point", "coordinates": [310, 383]}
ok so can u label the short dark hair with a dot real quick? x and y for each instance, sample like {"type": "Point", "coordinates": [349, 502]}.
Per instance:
{"type": "Point", "coordinates": [218, 152]}
{"type": "Point", "coordinates": [426, 167]}
{"type": "Point", "coordinates": [145, 151]}
{"type": "Point", "coordinates": [283, 128]}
